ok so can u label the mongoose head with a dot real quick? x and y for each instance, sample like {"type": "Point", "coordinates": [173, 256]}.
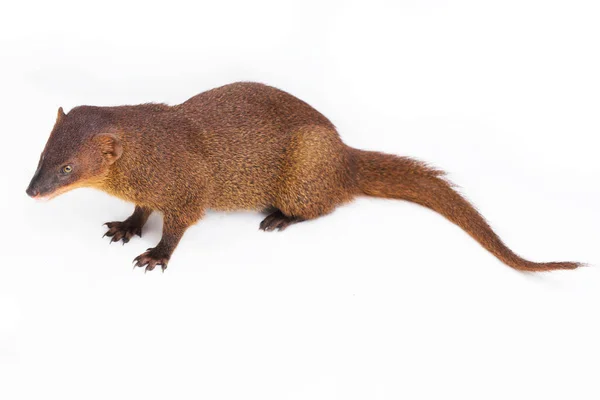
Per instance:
{"type": "Point", "coordinates": [79, 153]}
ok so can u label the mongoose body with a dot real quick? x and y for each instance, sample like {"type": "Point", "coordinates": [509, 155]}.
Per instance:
{"type": "Point", "coordinates": [241, 146]}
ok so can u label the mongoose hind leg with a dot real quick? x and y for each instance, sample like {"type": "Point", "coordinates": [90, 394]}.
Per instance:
{"type": "Point", "coordinates": [124, 230]}
{"type": "Point", "coordinates": [278, 220]}
{"type": "Point", "coordinates": [317, 175]}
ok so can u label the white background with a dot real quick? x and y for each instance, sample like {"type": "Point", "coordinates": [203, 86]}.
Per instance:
{"type": "Point", "coordinates": [381, 299]}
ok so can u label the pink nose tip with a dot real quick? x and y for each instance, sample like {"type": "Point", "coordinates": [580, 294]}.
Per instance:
{"type": "Point", "coordinates": [32, 192]}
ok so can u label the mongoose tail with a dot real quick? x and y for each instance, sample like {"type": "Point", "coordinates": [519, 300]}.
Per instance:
{"type": "Point", "coordinates": [389, 176]}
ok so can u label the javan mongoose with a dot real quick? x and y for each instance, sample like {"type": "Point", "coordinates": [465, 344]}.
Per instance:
{"type": "Point", "coordinates": [241, 146]}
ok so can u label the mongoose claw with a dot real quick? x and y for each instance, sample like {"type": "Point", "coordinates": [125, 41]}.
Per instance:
{"type": "Point", "coordinates": [150, 260]}
{"type": "Point", "coordinates": [277, 220]}
{"type": "Point", "coordinates": [124, 231]}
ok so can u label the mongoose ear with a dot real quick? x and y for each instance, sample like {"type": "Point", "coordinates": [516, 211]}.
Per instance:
{"type": "Point", "coordinates": [60, 115]}
{"type": "Point", "coordinates": [110, 145]}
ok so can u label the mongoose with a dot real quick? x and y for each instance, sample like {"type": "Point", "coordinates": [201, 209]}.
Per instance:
{"type": "Point", "coordinates": [240, 146]}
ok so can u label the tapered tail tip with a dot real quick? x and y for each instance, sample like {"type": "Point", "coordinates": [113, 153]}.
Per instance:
{"type": "Point", "coordinates": [553, 266]}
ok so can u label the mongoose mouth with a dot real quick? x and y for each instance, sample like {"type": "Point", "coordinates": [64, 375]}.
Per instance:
{"type": "Point", "coordinates": [36, 195]}
{"type": "Point", "coordinates": [47, 195]}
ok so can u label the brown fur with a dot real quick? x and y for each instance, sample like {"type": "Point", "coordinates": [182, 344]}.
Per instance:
{"type": "Point", "coordinates": [240, 146]}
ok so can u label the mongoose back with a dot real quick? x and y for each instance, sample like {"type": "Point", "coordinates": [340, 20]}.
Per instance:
{"type": "Point", "coordinates": [240, 146]}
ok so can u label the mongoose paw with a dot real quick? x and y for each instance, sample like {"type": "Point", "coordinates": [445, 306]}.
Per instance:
{"type": "Point", "coordinates": [150, 259]}
{"type": "Point", "coordinates": [277, 220]}
{"type": "Point", "coordinates": [122, 230]}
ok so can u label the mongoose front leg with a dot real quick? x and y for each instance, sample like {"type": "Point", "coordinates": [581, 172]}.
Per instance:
{"type": "Point", "coordinates": [173, 230]}
{"type": "Point", "coordinates": [124, 230]}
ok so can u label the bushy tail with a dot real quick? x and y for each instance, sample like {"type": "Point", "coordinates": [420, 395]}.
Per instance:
{"type": "Point", "coordinates": [389, 176]}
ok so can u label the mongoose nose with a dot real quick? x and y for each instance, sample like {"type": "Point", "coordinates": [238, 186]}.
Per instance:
{"type": "Point", "coordinates": [32, 192]}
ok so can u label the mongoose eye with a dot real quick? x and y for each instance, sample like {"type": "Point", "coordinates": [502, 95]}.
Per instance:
{"type": "Point", "coordinates": [66, 169]}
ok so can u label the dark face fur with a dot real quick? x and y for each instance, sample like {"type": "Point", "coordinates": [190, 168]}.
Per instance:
{"type": "Point", "coordinates": [78, 153]}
